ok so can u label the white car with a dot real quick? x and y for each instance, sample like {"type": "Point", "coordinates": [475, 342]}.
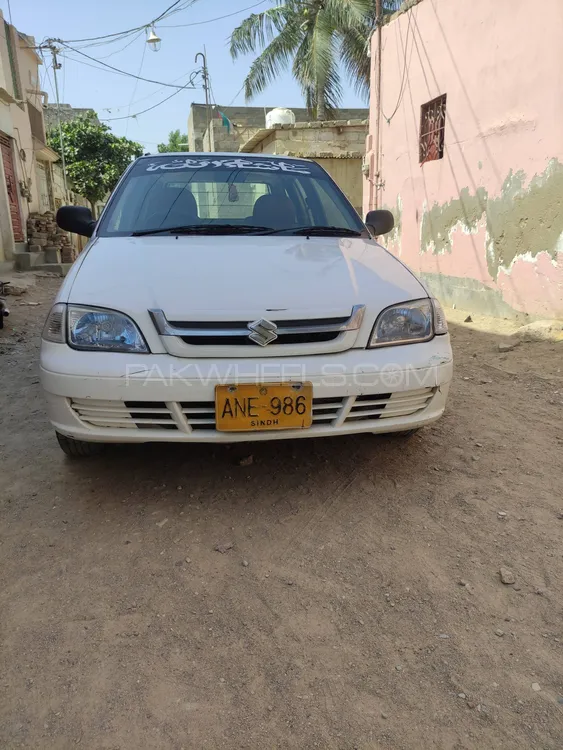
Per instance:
{"type": "Point", "coordinates": [233, 297]}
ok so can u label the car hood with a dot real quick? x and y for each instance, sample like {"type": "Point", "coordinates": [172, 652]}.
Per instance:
{"type": "Point", "coordinates": [240, 277]}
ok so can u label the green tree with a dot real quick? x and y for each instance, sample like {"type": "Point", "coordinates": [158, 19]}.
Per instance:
{"type": "Point", "coordinates": [321, 38]}
{"type": "Point", "coordinates": [176, 142]}
{"type": "Point", "coordinates": [95, 157]}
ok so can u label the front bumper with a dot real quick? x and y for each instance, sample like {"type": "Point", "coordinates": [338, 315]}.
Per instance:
{"type": "Point", "coordinates": [119, 398]}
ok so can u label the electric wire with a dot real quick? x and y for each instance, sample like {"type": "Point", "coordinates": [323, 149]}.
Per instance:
{"type": "Point", "coordinates": [126, 117]}
{"type": "Point", "coordinates": [154, 106]}
{"type": "Point", "coordinates": [187, 4]}
{"type": "Point", "coordinates": [212, 20]}
{"type": "Point", "coordinates": [118, 70]}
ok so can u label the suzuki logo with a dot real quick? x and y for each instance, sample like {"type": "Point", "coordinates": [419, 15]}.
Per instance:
{"type": "Point", "coordinates": [263, 332]}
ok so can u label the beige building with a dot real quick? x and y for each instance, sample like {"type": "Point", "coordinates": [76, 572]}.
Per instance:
{"type": "Point", "coordinates": [25, 164]}
{"type": "Point", "coordinates": [337, 145]}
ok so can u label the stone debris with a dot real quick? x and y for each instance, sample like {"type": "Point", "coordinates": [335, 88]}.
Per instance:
{"type": "Point", "coordinates": [507, 576]}
{"type": "Point", "coordinates": [507, 346]}
{"type": "Point", "coordinates": [222, 548]}
{"type": "Point", "coordinates": [541, 330]}
{"type": "Point", "coordinates": [44, 235]}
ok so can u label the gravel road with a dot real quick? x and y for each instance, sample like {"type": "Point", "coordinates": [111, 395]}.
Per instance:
{"type": "Point", "coordinates": [332, 593]}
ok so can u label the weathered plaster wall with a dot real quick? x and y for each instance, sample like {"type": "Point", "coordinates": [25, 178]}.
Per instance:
{"type": "Point", "coordinates": [483, 225]}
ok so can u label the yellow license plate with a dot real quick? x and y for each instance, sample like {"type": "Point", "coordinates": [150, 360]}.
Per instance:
{"type": "Point", "coordinates": [273, 406]}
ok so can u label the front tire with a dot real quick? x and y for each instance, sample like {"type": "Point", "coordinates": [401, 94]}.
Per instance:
{"type": "Point", "coordinates": [79, 448]}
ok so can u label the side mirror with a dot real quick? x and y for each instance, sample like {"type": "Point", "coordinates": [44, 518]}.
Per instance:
{"type": "Point", "coordinates": [380, 222]}
{"type": "Point", "coordinates": [76, 219]}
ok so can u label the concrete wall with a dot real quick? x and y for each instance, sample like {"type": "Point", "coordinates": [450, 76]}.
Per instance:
{"type": "Point", "coordinates": [483, 225]}
{"type": "Point", "coordinates": [68, 113]}
{"type": "Point", "coordinates": [15, 123]}
{"type": "Point", "coordinates": [336, 145]}
{"type": "Point", "coordinates": [246, 120]}
{"type": "Point", "coordinates": [347, 173]}
{"type": "Point", "coordinates": [10, 119]}
{"type": "Point", "coordinates": [29, 80]}
{"type": "Point", "coordinates": [335, 137]}
{"type": "Point", "coordinates": [220, 138]}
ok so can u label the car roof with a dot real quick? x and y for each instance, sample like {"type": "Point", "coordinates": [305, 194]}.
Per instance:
{"type": "Point", "coordinates": [224, 154]}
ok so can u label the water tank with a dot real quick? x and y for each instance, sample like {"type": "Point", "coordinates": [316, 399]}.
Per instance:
{"type": "Point", "coordinates": [279, 116]}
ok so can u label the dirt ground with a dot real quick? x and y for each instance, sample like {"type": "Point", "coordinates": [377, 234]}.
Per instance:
{"type": "Point", "coordinates": [360, 605]}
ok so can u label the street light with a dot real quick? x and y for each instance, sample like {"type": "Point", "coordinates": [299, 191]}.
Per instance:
{"type": "Point", "coordinates": [153, 40]}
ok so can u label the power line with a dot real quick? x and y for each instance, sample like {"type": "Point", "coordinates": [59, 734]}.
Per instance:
{"type": "Point", "coordinates": [136, 28]}
{"type": "Point", "coordinates": [404, 76]}
{"type": "Point", "coordinates": [117, 70]}
{"type": "Point", "coordinates": [174, 4]}
{"type": "Point", "coordinates": [142, 99]}
{"type": "Point", "coordinates": [117, 51]}
{"type": "Point", "coordinates": [47, 74]}
{"type": "Point", "coordinates": [136, 84]}
{"type": "Point", "coordinates": [126, 117]}
{"type": "Point", "coordinates": [235, 96]}
{"type": "Point", "coordinates": [212, 20]}
{"type": "Point", "coordinates": [64, 78]}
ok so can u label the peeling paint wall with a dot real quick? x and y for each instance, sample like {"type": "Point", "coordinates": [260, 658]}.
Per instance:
{"type": "Point", "coordinates": [484, 225]}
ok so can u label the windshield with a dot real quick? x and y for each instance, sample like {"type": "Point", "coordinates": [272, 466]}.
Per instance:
{"type": "Point", "coordinates": [227, 195]}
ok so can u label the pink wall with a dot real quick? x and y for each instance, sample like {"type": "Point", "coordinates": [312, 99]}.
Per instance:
{"type": "Point", "coordinates": [501, 65]}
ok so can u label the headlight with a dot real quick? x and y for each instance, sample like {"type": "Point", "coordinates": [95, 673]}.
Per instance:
{"type": "Point", "coordinates": [408, 323]}
{"type": "Point", "coordinates": [95, 329]}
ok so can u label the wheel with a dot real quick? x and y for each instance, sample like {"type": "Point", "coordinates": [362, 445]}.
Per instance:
{"type": "Point", "coordinates": [79, 448]}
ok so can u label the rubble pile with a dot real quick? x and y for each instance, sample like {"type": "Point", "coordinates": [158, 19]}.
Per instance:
{"type": "Point", "coordinates": [43, 232]}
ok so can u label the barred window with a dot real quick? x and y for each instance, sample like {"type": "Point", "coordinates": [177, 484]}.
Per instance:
{"type": "Point", "coordinates": [432, 125]}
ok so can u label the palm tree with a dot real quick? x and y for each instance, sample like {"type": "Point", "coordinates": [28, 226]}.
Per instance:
{"type": "Point", "coordinates": [321, 37]}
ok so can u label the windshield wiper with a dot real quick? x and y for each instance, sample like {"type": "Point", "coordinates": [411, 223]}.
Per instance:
{"type": "Point", "coordinates": [319, 231]}
{"type": "Point", "coordinates": [206, 229]}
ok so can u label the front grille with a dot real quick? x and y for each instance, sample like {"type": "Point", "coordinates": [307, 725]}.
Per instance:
{"type": "Point", "coordinates": [386, 405]}
{"type": "Point", "coordinates": [188, 416]}
{"type": "Point", "coordinates": [295, 338]}
{"type": "Point", "coordinates": [283, 338]}
{"type": "Point", "coordinates": [255, 333]}
{"type": "Point", "coordinates": [210, 325]}
{"type": "Point", "coordinates": [144, 415]}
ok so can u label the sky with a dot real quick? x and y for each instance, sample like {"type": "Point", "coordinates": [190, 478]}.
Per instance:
{"type": "Point", "coordinates": [112, 95]}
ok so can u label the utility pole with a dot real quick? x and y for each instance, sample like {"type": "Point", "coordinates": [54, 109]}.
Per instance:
{"type": "Point", "coordinates": [377, 176]}
{"type": "Point", "coordinates": [205, 76]}
{"type": "Point", "coordinates": [56, 66]}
